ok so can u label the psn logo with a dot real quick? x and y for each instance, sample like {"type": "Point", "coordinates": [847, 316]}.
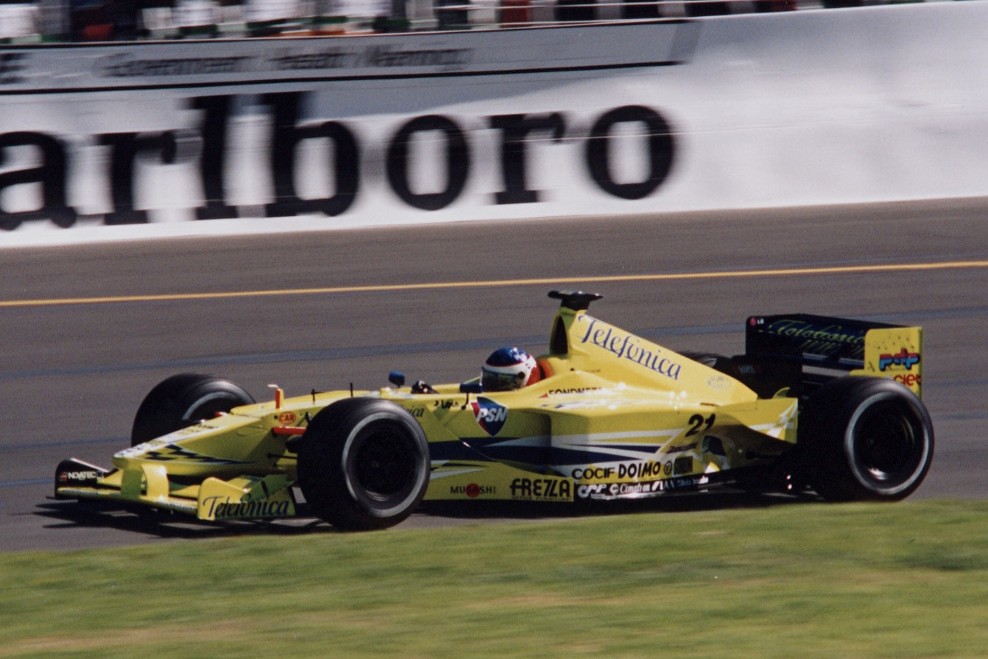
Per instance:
{"type": "Point", "coordinates": [490, 416]}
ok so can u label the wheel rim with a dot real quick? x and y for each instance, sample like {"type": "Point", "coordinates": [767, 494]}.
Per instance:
{"type": "Point", "coordinates": [889, 445]}
{"type": "Point", "coordinates": [383, 463]}
{"type": "Point", "coordinates": [385, 467]}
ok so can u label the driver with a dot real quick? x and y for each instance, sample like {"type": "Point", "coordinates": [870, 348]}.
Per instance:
{"type": "Point", "coordinates": [508, 369]}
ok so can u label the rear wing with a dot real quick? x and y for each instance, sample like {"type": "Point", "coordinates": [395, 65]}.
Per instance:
{"type": "Point", "coordinates": [854, 346]}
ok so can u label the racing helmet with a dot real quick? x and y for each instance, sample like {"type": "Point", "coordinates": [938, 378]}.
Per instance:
{"type": "Point", "coordinates": [508, 369]}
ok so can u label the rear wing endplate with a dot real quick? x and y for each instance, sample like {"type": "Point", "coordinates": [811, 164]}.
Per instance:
{"type": "Point", "coordinates": [858, 347]}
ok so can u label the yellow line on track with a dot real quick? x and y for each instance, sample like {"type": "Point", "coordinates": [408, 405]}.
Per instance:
{"type": "Point", "coordinates": [553, 281]}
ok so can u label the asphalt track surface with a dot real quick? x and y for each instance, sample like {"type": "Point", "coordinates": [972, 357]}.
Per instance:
{"type": "Point", "coordinates": [88, 330]}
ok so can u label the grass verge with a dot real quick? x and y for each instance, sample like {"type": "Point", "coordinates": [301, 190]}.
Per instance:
{"type": "Point", "coordinates": [815, 580]}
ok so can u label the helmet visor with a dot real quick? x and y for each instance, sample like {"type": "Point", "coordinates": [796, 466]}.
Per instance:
{"type": "Point", "coordinates": [494, 381]}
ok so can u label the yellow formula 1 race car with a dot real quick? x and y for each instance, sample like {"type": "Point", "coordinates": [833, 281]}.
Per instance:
{"type": "Point", "coordinates": [815, 403]}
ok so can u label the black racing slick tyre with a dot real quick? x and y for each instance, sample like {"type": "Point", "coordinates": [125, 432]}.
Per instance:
{"type": "Point", "coordinates": [865, 438]}
{"type": "Point", "coordinates": [181, 401]}
{"type": "Point", "coordinates": [363, 464]}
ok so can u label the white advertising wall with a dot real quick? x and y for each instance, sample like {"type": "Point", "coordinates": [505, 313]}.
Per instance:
{"type": "Point", "coordinates": [807, 107]}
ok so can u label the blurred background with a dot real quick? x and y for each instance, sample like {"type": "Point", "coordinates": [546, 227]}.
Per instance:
{"type": "Point", "coordinates": [125, 20]}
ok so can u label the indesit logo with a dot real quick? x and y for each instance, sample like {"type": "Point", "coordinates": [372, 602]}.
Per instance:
{"type": "Point", "coordinates": [490, 415]}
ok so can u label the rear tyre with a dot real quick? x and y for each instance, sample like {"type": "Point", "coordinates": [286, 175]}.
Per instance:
{"type": "Point", "coordinates": [181, 401]}
{"type": "Point", "coordinates": [865, 439]}
{"type": "Point", "coordinates": [363, 464]}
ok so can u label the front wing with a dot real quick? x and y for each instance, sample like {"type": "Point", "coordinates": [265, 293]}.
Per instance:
{"type": "Point", "coordinates": [213, 499]}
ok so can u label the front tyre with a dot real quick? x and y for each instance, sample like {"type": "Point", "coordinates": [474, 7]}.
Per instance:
{"type": "Point", "coordinates": [363, 464]}
{"type": "Point", "coordinates": [866, 439]}
{"type": "Point", "coordinates": [181, 401]}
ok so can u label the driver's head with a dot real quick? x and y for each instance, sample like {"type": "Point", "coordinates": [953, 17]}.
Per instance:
{"type": "Point", "coordinates": [508, 369]}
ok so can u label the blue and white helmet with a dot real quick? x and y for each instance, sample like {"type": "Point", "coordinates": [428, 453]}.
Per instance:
{"type": "Point", "coordinates": [508, 369]}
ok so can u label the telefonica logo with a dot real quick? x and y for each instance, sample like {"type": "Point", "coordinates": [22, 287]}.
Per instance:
{"type": "Point", "coordinates": [223, 508]}
{"type": "Point", "coordinates": [804, 330]}
{"type": "Point", "coordinates": [629, 347]}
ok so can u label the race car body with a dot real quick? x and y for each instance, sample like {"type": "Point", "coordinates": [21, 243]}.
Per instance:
{"type": "Point", "coordinates": [813, 403]}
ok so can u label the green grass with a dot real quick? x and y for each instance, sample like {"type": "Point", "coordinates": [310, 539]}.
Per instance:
{"type": "Point", "coordinates": [810, 580]}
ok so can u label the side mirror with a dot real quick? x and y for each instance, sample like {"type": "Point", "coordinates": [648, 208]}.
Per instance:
{"type": "Point", "coordinates": [471, 388]}
{"type": "Point", "coordinates": [397, 378]}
